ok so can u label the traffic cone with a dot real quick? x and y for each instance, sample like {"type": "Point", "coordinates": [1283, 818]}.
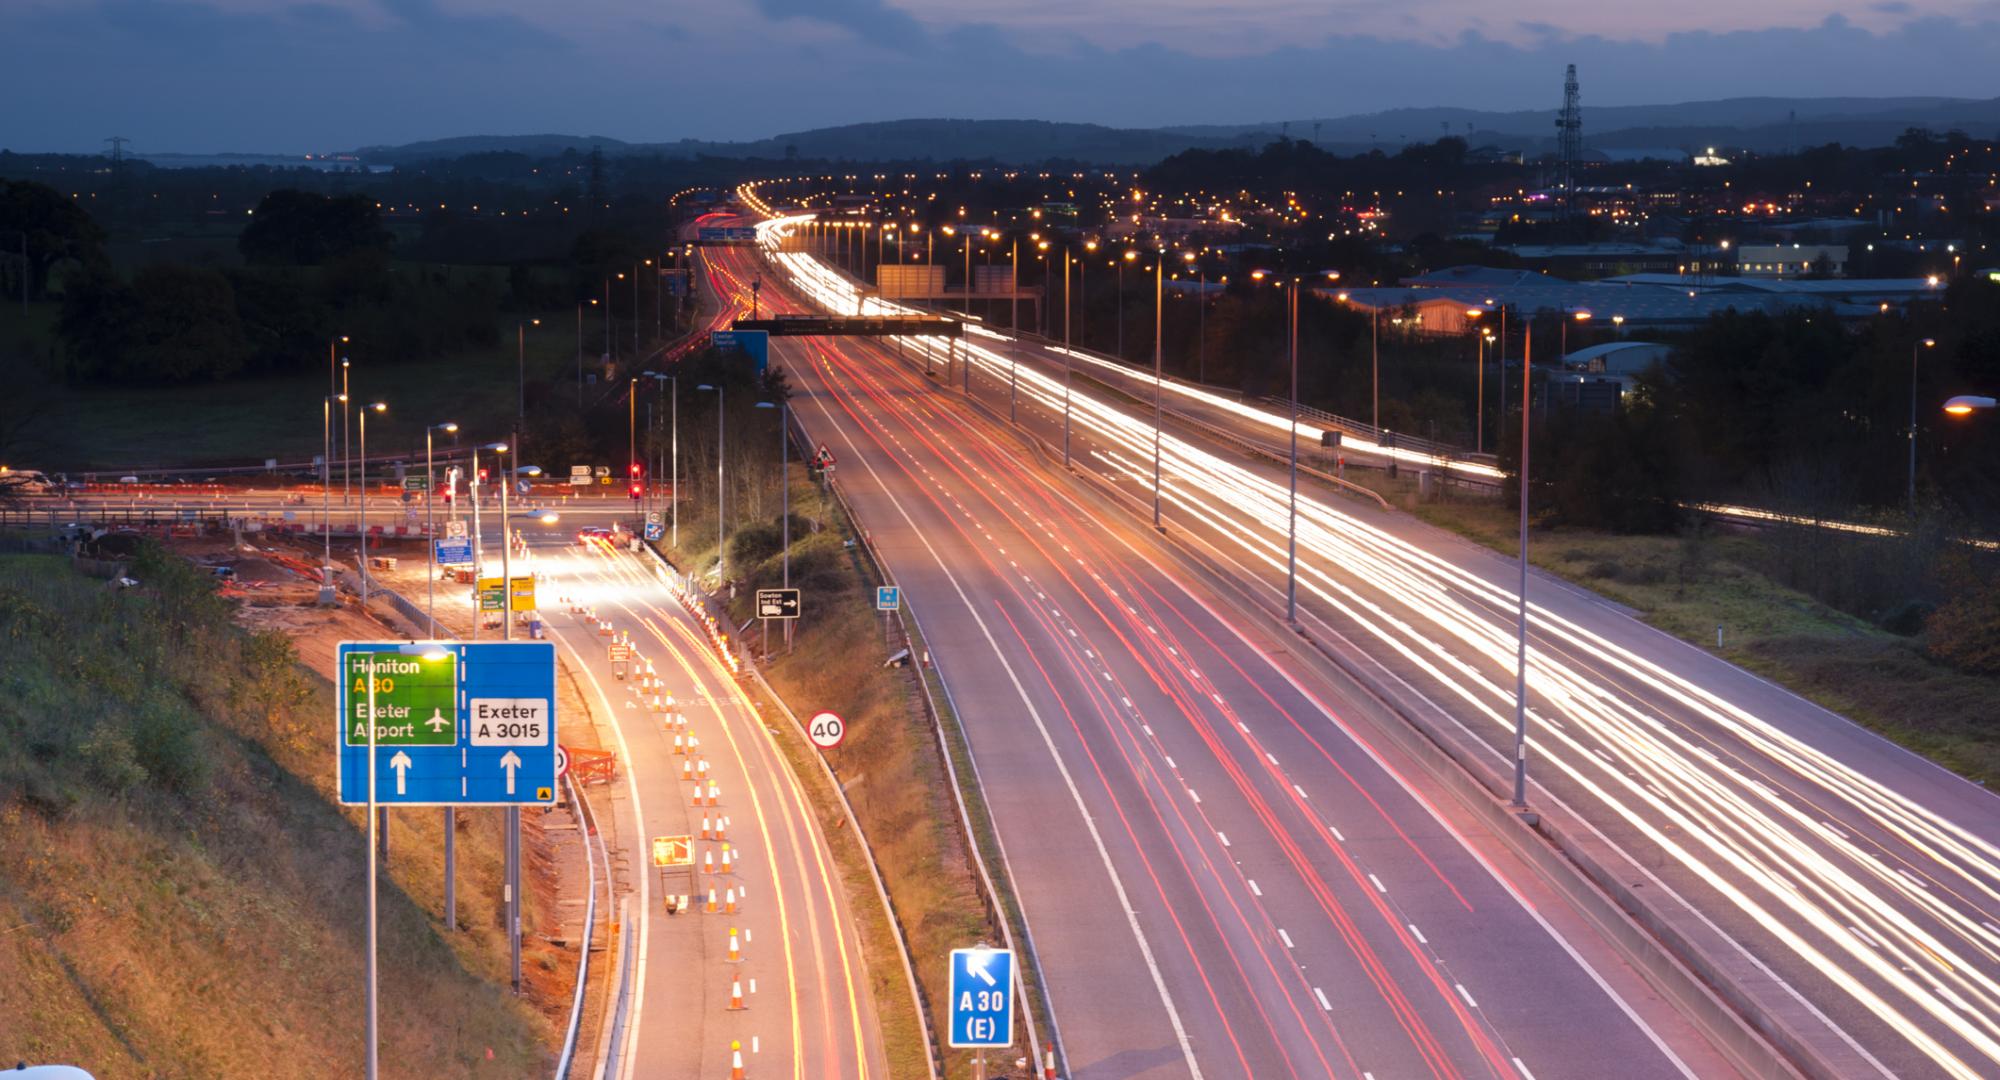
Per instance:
{"type": "Point", "coordinates": [726, 868]}
{"type": "Point", "coordinates": [735, 950]}
{"type": "Point", "coordinates": [680, 745]}
{"type": "Point", "coordinates": [714, 794]}
{"type": "Point", "coordinates": [701, 769]}
{"type": "Point", "coordinates": [708, 863]}
{"type": "Point", "coordinates": [735, 1061]}
{"type": "Point", "coordinates": [736, 995]}
{"type": "Point", "coordinates": [722, 827]}
{"type": "Point", "coordinates": [706, 832]}
{"type": "Point", "coordinates": [728, 900]}
{"type": "Point", "coordinates": [697, 795]}
{"type": "Point", "coordinates": [711, 901]}
{"type": "Point", "coordinates": [1049, 1065]}
{"type": "Point", "coordinates": [687, 771]}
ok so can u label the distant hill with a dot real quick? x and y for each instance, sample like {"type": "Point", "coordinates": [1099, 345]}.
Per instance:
{"type": "Point", "coordinates": [1757, 123]}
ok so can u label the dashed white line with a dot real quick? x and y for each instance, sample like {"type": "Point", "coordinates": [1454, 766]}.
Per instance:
{"type": "Point", "coordinates": [1253, 886]}
{"type": "Point", "coordinates": [1523, 1066]}
{"type": "Point", "coordinates": [1323, 1003]}
{"type": "Point", "coordinates": [1419, 934]}
{"type": "Point", "coordinates": [1224, 836]}
{"type": "Point", "coordinates": [1336, 834]}
{"type": "Point", "coordinates": [1379, 887]}
{"type": "Point", "coordinates": [1466, 994]}
{"type": "Point", "coordinates": [1300, 790]}
{"type": "Point", "coordinates": [1196, 796]}
{"type": "Point", "coordinates": [1286, 938]}
{"type": "Point", "coordinates": [1171, 765]}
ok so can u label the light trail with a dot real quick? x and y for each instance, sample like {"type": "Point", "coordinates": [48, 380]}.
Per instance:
{"type": "Point", "coordinates": [1748, 824]}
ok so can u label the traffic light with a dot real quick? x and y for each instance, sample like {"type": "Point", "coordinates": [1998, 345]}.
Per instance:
{"type": "Point", "coordinates": [635, 470]}
{"type": "Point", "coordinates": [637, 490]}
{"type": "Point", "coordinates": [483, 476]}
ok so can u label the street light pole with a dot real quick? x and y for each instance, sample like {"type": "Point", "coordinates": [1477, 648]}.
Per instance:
{"type": "Point", "coordinates": [721, 534]}
{"type": "Point", "coordinates": [1915, 351]}
{"type": "Point", "coordinates": [327, 593]}
{"type": "Point", "coordinates": [1068, 361]}
{"type": "Point", "coordinates": [513, 886]}
{"type": "Point", "coordinates": [346, 438]}
{"type": "Point", "coordinates": [375, 407]}
{"type": "Point", "coordinates": [1159, 293]}
{"type": "Point", "coordinates": [1521, 613]}
{"type": "Point", "coordinates": [1292, 509]}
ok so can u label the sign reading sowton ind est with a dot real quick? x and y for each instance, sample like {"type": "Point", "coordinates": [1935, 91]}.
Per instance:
{"type": "Point", "coordinates": [454, 724]}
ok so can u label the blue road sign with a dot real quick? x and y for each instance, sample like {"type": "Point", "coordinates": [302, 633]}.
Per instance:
{"type": "Point", "coordinates": [654, 530]}
{"type": "Point", "coordinates": [454, 550]}
{"type": "Point", "coordinates": [982, 998]}
{"type": "Point", "coordinates": [888, 597]}
{"type": "Point", "coordinates": [455, 724]}
{"type": "Point", "coordinates": [754, 343]}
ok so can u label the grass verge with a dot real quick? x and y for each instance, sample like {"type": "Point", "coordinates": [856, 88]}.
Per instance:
{"type": "Point", "coordinates": [181, 894]}
{"type": "Point", "coordinates": [1689, 586]}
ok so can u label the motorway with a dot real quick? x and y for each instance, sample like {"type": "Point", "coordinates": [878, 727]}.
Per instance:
{"type": "Point", "coordinates": [1221, 875]}
{"type": "Point", "coordinates": [1857, 885]}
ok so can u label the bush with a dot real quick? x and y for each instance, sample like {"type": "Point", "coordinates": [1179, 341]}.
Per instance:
{"type": "Point", "coordinates": [1965, 631]}
{"type": "Point", "coordinates": [110, 760]}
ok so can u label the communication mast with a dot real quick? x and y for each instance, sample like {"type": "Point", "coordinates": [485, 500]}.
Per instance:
{"type": "Point", "coordinates": [1569, 139]}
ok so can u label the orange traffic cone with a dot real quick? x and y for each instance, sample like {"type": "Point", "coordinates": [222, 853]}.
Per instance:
{"type": "Point", "coordinates": [736, 995]}
{"type": "Point", "coordinates": [735, 950]}
{"type": "Point", "coordinates": [680, 745]}
{"type": "Point", "coordinates": [728, 900]}
{"type": "Point", "coordinates": [687, 771]}
{"type": "Point", "coordinates": [714, 794]}
{"type": "Point", "coordinates": [711, 901]}
{"type": "Point", "coordinates": [697, 795]}
{"type": "Point", "coordinates": [708, 862]}
{"type": "Point", "coordinates": [722, 827]}
{"type": "Point", "coordinates": [725, 859]}
{"type": "Point", "coordinates": [705, 830]}
{"type": "Point", "coordinates": [1049, 1065]}
{"type": "Point", "coordinates": [701, 768]}
{"type": "Point", "coordinates": [735, 1061]}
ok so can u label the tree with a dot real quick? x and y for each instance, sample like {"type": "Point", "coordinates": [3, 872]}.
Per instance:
{"type": "Point", "coordinates": [57, 229]}
{"type": "Point", "coordinates": [300, 228]}
{"type": "Point", "coordinates": [172, 324]}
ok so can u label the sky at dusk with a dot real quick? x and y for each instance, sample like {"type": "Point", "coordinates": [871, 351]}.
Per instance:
{"type": "Point", "coordinates": [326, 75]}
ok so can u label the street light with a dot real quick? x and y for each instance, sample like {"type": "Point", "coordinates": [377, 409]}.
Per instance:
{"type": "Point", "coordinates": [1130, 256]}
{"type": "Point", "coordinates": [1915, 351]}
{"type": "Point", "coordinates": [430, 522]}
{"type": "Point", "coordinates": [721, 537]}
{"type": "Point", "coordinates": [1159, 295]}
{"type": "Point", "coordinates": [1967, 404]}
{"type": "Point", "coordinates": [1292, 505]}
{"type": "Point", "coordinates": [1479, 382]}
{"type": "Point", "coordinates": [674, 451]}
{"type": "Point", "coordinates": [379, 407]}
{"type": "Point", "coordinates": [346, 437]}
{"type": "Point", "coordinates": [785, 521]}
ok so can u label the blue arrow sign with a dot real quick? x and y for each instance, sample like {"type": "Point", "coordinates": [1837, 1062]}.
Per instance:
{"type": "Point", "coordinates": [454, 550]}
{"type": "Point", "coordinates": [982, 998]}
{"type": "Point", "coordinates": [454, 724]}
{"type": "Point", "coordinates": [888, 597]}
{"type": "Point", "coordinates": [654, 530]}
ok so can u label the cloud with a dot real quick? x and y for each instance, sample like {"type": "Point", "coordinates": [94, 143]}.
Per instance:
{"type": "Point", "coordinates": [870, 20]}
{"type": "Point", "coordinates": [177, 75]}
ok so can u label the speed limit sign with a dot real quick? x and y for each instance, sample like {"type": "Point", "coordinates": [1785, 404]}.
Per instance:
{"type": "Point", "coordinates": [826, 730]}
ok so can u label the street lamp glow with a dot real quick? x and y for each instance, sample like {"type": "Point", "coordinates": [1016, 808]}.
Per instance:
{"type": "Point", "coordinates": [1967, 404]}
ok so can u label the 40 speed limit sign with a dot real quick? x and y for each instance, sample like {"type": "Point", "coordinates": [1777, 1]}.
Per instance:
{"type": "Point", "coordinates": [826, 730]}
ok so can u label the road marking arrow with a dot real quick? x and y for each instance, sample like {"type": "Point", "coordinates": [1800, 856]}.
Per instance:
{"type": "Point", "coordinates": [401, 763]}
{"type": "Point", "coordinates": [511, 761]}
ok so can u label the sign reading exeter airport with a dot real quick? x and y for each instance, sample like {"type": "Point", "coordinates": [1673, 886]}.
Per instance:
{"type": "Point", "coordinates": [982, 998]}
{"type": "Point", "coordinates": [455, 724]}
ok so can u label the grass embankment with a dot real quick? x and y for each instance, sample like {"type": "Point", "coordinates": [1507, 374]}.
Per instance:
{"type": "Point", "coordinates": [180, 894]}
{"type": "Point", "coordinates": [888, 764]}
{"type": "Point", "coordinates": [1688, 586]}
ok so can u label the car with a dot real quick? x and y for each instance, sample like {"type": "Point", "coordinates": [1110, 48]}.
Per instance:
{"type": "Point", "coordinates": [593, 533]}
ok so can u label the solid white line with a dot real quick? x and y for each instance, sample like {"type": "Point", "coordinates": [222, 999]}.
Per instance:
{"type": "Point", "coordinates": [1048, 742]}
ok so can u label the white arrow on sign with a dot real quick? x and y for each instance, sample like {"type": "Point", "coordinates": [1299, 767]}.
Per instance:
{"type": "Point", "coordinates": [511, 761]}
{"type": "Point", "coordinates": [401, 763]}
{"type": "Point", "coordinates": [975, 965]}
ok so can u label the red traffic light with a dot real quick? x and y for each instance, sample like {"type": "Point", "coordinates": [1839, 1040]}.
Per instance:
{"type": "Point", "coordinates": [636, 491]}
{"type": "Point", "coordinates": [482, 476]}
{"type": "Point", "coordinates": [635, 468]}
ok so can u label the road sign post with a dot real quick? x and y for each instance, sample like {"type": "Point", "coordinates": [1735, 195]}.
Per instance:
{"type": "Point", "coordinates": [982, 999]}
